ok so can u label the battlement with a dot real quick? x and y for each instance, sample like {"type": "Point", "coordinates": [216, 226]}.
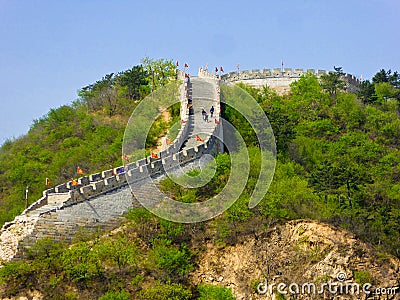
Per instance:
{"type": "Point", "coordinates": [205, 74]}
{"type": "Point", "coordinates": [269, 73]}
{"type": "Point", "coordinates": [280, 78]}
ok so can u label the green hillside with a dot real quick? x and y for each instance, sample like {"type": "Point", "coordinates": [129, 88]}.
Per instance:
{"type": "Point", "coordinates": [338, 162]}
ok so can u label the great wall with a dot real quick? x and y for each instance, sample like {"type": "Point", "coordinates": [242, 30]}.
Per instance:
{"type": "Point", "coordinates": [280, 79]}
{"type": "Point", "coordinates": [100, 200]}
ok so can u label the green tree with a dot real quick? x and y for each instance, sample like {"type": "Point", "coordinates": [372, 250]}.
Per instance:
{"type": "Point", "coordinates": [387, 76]}
{"type": "Point", "coordinates": [17, 275]}
{"type": "Point", "coordinates": [174, 261]}
{"type": "Point", "coordinates": [118, 251]}
{"type": "Point", "coordinates": [344, 169]}
{"type": "Point", "coordinates": [385, 91]}
{"type": "Point", "coordinates": [102, 95]}
{"type": "Point", "coordinates": [367, 92]}
{"type": "Point", "coordinates": [132, 82]}
{"type": "Point", "coordinates": [306, 87]}
{"type": "Point", "coordinates": [387, 84]}
{"type": "Point", "coordinates": [160, 71]}
{"type": "Point", "coordinates": [333, 82]}
{"type": "Point", "coordinates": [81, 264]}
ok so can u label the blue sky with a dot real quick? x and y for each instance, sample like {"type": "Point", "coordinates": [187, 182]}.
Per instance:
{"type": "Point", "coordinates": [50, 49]}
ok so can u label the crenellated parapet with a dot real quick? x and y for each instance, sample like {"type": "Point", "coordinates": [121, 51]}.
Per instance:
{"type": "Point", "coordinates": [280, 79]}
{"type": "Point", "coordinates": [269, 73]}
{"type": "Point", "coordinates": [205, 74]}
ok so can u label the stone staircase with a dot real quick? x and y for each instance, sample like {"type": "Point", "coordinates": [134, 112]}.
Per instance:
{"type": "Point", "coordinates": [101, 199]}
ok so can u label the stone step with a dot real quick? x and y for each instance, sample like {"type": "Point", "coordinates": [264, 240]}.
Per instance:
{"type": "Point", "coordinates": [41, 210]}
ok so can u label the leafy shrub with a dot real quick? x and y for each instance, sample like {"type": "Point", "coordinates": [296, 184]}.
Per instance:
{"type": "Point", "coordinates": [362, 277]}
{"type": "Point", "coordinates": [137, 280]}
{"type": "Point", "coordinates": [80, 263]}
{"type": "Point", "coordinates": [171, 230]}
{"type": "Point", "coordinates": [214, 292]}
{"type": "Point", "coordinates": [44, 248]}
{"type": "Point", "coordinates": [70, 296]}
{"type": "Point", "coordinates": [168, 291]}
{"type": "Point", "coordinates": [118, 251]}
{"type": "Point", "coordinates": [112, 295]}
{"type": "Point", "coordinates": [174, 260]}
{"type": "Point", "coordinates": [17, 276]}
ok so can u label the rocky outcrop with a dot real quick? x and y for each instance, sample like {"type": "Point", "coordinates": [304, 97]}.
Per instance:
{"type": "Point", "coordinates": [14, 232]}
{"type": "Point", "coordinates": [299, 252]}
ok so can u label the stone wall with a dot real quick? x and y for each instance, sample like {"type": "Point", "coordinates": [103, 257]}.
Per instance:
{"type": "Point", "coordinates": [97, 214]}
{"type": "Point", "coordinates": [280, 79]}
{"type": "Point", "coordinates": [204, 74]}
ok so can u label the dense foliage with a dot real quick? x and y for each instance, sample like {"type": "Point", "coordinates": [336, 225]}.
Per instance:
{"type": "Point", "coordinates": [385, 85]}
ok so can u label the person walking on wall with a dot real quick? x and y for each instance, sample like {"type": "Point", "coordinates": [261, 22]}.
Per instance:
{"type": "Point", "coordinates": [211, 111]}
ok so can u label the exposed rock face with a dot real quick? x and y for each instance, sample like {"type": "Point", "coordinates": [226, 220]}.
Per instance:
{"type": "Point", "coordinates": [13, 233]}
{"type": "Point", "coordinates": [299, 252]}
{"type": "Point", "coordinates": [32, 295]}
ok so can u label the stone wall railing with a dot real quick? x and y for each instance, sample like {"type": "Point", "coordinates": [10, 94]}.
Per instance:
{"type": "Point", "coordinates": [269, 73]}
{"type": "Point", "coordinates": [205, 74]}
{"type": "Point", "coordinates": [286, 75]}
